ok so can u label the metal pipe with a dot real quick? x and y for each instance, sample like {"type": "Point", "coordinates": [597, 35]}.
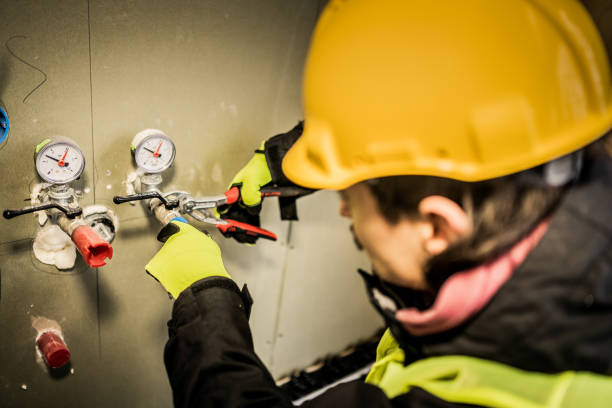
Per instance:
{"type": "Point", "coordinates": [69, 225]}
{"type": "Point", "coordinates": [161, 213]}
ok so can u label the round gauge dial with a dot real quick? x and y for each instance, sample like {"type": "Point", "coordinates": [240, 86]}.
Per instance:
{"type": "Point", "coordinates": [153, 151]}
{"type": "Point", "coordinates": [59, 161]}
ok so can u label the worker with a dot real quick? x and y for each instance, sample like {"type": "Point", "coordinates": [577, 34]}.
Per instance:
{"type": "Point", "coordinates": [467, 141]}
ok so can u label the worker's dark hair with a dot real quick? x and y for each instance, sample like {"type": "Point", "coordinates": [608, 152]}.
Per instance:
{"type": "Point", "coordinates": [502, 211]}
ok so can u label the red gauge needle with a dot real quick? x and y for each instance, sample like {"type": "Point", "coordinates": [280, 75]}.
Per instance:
{"type": "Point", "coordinates": [152, 152]}
{"type": "Point", "coordinates": [61, 162]}
{"type": "Point", "coordinates": [156, 154]}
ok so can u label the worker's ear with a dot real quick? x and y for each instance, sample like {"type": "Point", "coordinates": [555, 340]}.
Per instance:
{"type": "Point", "coordinates": [446, 223]}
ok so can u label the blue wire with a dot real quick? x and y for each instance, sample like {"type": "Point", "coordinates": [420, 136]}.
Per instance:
{"type": "Point", "coordinates": [4, 125]}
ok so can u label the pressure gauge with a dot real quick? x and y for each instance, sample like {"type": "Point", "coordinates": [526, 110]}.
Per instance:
{"type": "Point", "coordinates": [59, 160]}
{"type": "Point", "coordinates": [153, 151]}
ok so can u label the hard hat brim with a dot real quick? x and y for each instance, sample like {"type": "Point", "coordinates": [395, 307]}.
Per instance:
{"type": "Point", "coordinates": [315, 165]}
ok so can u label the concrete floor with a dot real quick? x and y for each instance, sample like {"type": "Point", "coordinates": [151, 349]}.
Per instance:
{"type": "Point", "coordinates": [218, 77]}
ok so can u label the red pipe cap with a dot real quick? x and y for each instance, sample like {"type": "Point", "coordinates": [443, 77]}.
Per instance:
{"type": "Point", "coordinates": [53, 349]}
{"type": "Point", "coordinates": [94, 249]}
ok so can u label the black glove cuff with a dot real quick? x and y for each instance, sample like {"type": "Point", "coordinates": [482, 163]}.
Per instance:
{"type": "Point", "coordinates": [275, 149]}
{"type": "Point", "coordinates": [225, 283]}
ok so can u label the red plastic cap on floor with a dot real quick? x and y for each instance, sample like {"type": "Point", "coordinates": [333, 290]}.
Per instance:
{"type": "Point", "coordinates": [53, 349]}
{"type": "Point", "coordinates": [94, 249]}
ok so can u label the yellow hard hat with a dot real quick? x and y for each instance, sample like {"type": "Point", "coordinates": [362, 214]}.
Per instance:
{"type": "Point", "coordinates": [468, 90]}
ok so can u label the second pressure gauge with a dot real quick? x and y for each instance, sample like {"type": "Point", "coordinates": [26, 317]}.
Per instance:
{"type": "Point", "coordinates": [59, 160]}
{"type": "Point", "coordinates": [153, 150]}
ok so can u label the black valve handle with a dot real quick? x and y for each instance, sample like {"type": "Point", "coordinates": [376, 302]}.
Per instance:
{"type": "Point", "coordinates": [69, 211]}
{"type": "Point", "coordinates": [169, 204]}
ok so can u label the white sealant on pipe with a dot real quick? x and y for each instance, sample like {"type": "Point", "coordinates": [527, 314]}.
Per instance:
{"type": "Point", "coordinates": [102, 210]}
{"type": "Point", "coordinates": [34, 199]}
{"type": "Point", "coordinates": [42, 324]}
{"type": "Point", "coordinates": [132, 183]}
{"type": "Point", "coordinates": [53, 246]}
{"type": "Point", "coordinates": [99, 210]}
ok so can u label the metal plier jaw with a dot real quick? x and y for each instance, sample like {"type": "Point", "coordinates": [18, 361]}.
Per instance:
{"type": "Point", "coordinates": [198, 208]}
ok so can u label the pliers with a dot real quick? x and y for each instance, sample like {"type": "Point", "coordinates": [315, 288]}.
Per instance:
{"type": "Point", "coordinates": [201, 209]}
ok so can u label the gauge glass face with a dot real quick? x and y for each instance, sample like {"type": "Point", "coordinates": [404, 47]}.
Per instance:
{"type": "Point", "coordinates": [60, 162]}
{"type": "Point", "coordinates": [155, 154]}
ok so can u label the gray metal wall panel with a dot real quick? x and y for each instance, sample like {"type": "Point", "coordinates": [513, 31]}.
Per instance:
{"type": "Point", "coordinates": [54, 38]}
{"type": "Point", "coordinates": [324, 306]}
{"type": "Point", "coordinates": [31, 289]}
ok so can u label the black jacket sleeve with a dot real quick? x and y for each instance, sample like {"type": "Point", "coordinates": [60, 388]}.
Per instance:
{"type": "Point", "coordinates": [211, 362]}
{"type": "Point", "coordinates": [209, 357]}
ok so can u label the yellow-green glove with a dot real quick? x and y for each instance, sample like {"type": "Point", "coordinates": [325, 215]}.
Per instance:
{"type": "Point", "coordinates": [187, 256]}
{"type": "Point", "coordinates": [252, 177]}
{"type": "Point", "coordinates": [264, 170]}
{"type": "Point", "coordinates": [249, 180]}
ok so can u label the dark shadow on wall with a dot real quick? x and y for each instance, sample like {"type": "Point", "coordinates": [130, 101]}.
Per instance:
{"type": "Point", "coordinates": [60, 372]}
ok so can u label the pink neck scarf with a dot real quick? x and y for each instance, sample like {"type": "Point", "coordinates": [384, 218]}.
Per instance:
{"type": "Point", "coordinates": [465, 293]}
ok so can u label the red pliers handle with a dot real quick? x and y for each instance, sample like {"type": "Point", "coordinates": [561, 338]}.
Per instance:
{"type": "Point", "coordinates": [230, 227]}
{"type": "Point", "coordinates": [233, 226]}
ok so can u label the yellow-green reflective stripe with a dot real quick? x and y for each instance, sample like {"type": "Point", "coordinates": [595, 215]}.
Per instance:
{"type": "Point", "coordinates": [463, 379]}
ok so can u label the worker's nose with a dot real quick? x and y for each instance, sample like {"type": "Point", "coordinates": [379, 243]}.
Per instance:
{"type": "Point", "coordinates": [345, 209]}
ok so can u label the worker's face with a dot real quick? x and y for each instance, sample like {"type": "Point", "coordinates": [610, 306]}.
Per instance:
{"type": "Point", "coordinates": [395, 250]}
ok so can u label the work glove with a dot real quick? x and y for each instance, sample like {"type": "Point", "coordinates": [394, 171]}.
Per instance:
{"type": "Point", "coordinates": [249, 180]}
{"type": "Point", "coordinates": [187, 256]}
{"type": "Point", "coordinates": [263, 172]}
